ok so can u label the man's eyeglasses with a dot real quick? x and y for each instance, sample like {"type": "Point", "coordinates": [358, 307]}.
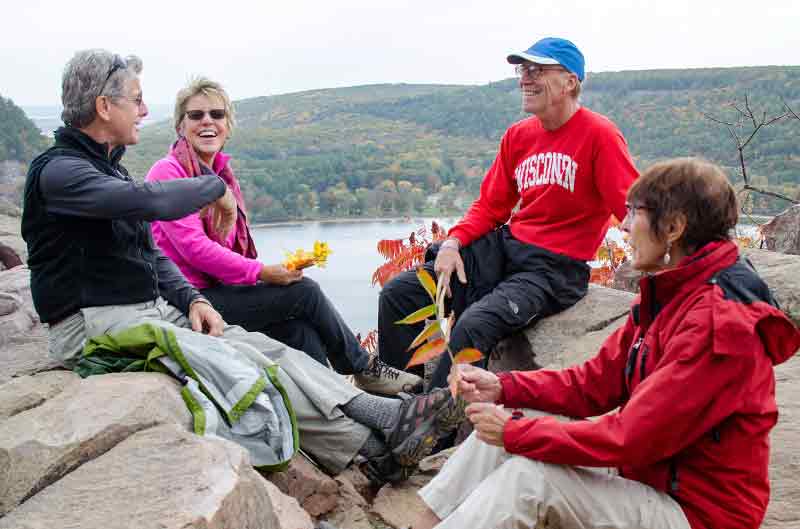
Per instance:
{"type": "Point", "coordinates": [118, 64]}
{"type": "Point", "coordinates": [535, 70]}
{"type": "Point", "coordinates": [138, 100]}
{"type": "Point", "coordinates": [197, 115]}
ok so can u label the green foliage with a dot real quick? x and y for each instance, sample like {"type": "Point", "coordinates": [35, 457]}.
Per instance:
{"type": "Point", "coordinates": [20, 139]}
{"type": "Point", "coordinates": [404, 149]}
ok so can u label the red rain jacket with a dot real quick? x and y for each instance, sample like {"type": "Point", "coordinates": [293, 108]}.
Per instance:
{"type": "Point", "coordinates": [691, 372]}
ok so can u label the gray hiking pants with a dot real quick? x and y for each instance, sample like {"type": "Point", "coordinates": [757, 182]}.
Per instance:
{"type": "Point", "coordinates": [316, 392]}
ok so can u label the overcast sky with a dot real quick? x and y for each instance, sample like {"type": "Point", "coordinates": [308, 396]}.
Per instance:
{"type": "Point", "coordinates": [268, 47]}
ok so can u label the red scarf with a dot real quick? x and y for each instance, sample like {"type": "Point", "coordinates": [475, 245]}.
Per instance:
{"type": "Point", "coordinates": [243, 242]}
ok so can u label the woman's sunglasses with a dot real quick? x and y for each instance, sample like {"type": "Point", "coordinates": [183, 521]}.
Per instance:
{"type": "Point", "coordinates": [197, 115]}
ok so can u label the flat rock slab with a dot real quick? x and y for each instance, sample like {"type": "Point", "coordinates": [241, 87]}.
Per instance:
{"type": "Point", "coordinates": [164, 478]}
{"type": "Point", "coordinates": [784, 468]}
{"type": "Point", "coordinates": [41, 445]}
{"type": "Point", "coordinates": [782, 274]}
{"type": "Point", "coordinates": [24, 393]}
{"type": "Point", "coordinates": [577, 332]}
{"type": "Point", "coordinates": [317, 492]}
{"type": "Point", "coordinates": [399, 505]}
{"type": "Point", "coordinates": [25, 354]}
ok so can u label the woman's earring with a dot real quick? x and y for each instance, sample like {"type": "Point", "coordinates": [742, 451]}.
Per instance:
{"type": "Point", "coordinates": [667, 257]}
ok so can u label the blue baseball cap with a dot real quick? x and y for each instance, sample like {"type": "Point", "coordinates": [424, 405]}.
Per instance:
{"type": "Point", "coordinates": [553, 51]}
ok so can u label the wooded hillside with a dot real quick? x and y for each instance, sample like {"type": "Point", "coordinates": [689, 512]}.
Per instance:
{"type": "Point", "coordinates": [402, 149]}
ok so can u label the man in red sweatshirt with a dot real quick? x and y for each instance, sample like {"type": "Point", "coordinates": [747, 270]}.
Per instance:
{"type": "Point", "coordinates": [569, 169]}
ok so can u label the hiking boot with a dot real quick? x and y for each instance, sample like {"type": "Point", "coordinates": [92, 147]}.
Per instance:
{"type": "Point", "coordinates": [451, 415]}
{"type": "Point", "coordinates": [418, 429]}
{"type": "Point", "coordinates": [379, 377]}
{"type": "Point", "coordinates": [384, 469]}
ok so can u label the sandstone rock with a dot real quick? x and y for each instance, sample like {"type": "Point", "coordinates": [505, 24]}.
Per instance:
{"type": "Point", "coordinates": [25, 354]}
{"type": "Point", "coordinates": [9, 303]}
{"type": "Point", "coordinates": [782, 274]}
{"type": "Point", "coordinates": [626, 278]}
{"type": "Point", "coordinates": [316, 492]}
{"type": "Point", "coordinates": [17, 281]}
{"type": "Point", "coordinates": [784, 469]}
{"type": "Point", "coordinates": [350, 510]}
{"type": "Point", "coordinates": [352, 517]}
{"type": "Point", "coordinates": [10, 230]}
{"type": "Point", "coordinates": [434, 463]}
{"type": "Point", "coordinates": [162, 477]}
{"type": "Point", "coordinates": [579, 330]}
{"type": "Point", "coordinates": [17, 323]}
{"type": "Point", "coordinates": [24, 393]}
{"type": "Point", "coordinates": [287, 511]}
{"type": "Point", "coordinates": [782, 233]}
{"type": "Point", "coordinates": [399, 505]}
{"type": "Point", "coordinates": [41, 445]}
{"type": "Point", "coordinates": [353, 476]}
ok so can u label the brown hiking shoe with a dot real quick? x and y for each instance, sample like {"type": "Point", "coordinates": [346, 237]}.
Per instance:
{"type": "Point", "coordinates": [418, 426]}
{"type": "Point", "coordinates": [381, 378]}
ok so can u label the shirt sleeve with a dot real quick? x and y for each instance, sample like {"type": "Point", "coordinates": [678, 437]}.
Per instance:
{"type": "Point", "coordinates": [497, 199]}
{"type": "Point", "coordinates": [661, 418]}
{"type": "Point", "coordinates": [614, 170]}
{"type": "Point", "coordinates": [586, 390]}
{"type": "Point", "coordinates": [73, 186]}
{"type": "Point", "coordinates": [188, 237]}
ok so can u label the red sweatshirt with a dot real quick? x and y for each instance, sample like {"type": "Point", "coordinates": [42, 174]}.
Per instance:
{"type": "Point", "coordinates": [692, 374]}
{"type": "Point", "coordinates": [570, 180]}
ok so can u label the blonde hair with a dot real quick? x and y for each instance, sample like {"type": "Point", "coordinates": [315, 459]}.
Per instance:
{"type": "Point", "coordinates": [208, 88]}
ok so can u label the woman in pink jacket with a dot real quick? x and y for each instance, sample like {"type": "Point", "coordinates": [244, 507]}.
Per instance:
{"type": "Point", "coordinates": [260, 297]}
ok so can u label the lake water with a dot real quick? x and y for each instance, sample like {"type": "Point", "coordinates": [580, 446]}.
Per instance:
{"type": "Point", "coordinates": [347, 277]}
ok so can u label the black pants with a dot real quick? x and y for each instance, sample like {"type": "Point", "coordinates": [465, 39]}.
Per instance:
{"type": "Point", "coordinates": [509, 284]}
{"type": "Point", "coordinates": [299, 315]}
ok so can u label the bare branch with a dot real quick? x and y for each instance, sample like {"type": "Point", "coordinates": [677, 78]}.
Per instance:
{"type": "Point", "coordinates": [749, 110]}
{"type": "Point", "coordinates": [789, 109]}
{"type": "Point", "coordinates": [770, 193]}
{"type": "Point", "coordinates": [748, 114]}
{"type": "Point", "coordinates": [716, 120]}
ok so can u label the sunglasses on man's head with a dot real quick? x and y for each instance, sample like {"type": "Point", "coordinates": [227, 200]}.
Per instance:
{"type": "Point", "coordinates": [197, 115]}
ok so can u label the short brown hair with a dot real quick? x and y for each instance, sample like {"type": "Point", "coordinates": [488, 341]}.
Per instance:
{"type": "Point", "coordinates": [208, 88]}
{"type": "Point", "coordinates": [693, 187]}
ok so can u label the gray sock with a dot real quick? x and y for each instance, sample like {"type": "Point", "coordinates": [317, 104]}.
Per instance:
{"type": "Point", "coordinates": [378, 413]}
{"type": "Point", "coordinates": [372, 447]}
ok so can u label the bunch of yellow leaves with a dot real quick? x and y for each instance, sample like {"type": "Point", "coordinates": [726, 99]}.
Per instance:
{"type": "Point", "coordinates": [301, 259]}
{"type": "Point", "coordinates": [435, 337]}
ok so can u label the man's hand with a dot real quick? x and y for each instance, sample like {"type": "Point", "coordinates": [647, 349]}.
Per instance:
{"type": "Point", "coordinates": [223, 213]}
{"type": "Point", "coordinates": [279, 275]}
{"type": "Point", "coordinates": [489, 421]}
{"type": "Point", "coordinates": [204, 318]}
{"type": "Point", "coordinates": [476, 384]}
{"type": "Point", "coordinates": [447, 260]}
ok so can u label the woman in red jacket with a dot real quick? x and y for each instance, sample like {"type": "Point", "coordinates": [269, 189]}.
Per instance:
{"type": "Point", "coordinates": [684, 391]}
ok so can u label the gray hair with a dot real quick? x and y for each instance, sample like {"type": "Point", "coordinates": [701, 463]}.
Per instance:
{"type": "Point", "coordinates": [86, 77]}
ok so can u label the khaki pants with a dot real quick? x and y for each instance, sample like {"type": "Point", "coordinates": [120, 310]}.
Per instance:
{"type": "Point", "coordinates": [316, 392]}
{"type": "Point", "coordinates": [484, 487]}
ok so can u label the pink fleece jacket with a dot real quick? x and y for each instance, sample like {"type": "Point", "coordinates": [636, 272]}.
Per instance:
{"type": "Point", "coordinates": [204, 262]}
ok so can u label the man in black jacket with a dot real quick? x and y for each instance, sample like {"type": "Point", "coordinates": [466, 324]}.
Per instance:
{"type": "Point", "coordinates": [95, 270]}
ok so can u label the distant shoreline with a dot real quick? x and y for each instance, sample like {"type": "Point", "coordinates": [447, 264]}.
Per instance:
{"type": "Point", "coordinates": [345, 220]}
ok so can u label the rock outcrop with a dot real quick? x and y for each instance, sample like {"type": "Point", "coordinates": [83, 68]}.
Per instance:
{"type": "Point", "coordinates": [782, 233]}
{"type": "Point", "coordinates": [115, 451]}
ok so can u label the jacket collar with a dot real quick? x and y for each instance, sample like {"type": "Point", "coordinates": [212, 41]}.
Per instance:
{"type": "Point", "coordinates": [658, 289]}
{"type": "Point", "coordinates": [72, 138]}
